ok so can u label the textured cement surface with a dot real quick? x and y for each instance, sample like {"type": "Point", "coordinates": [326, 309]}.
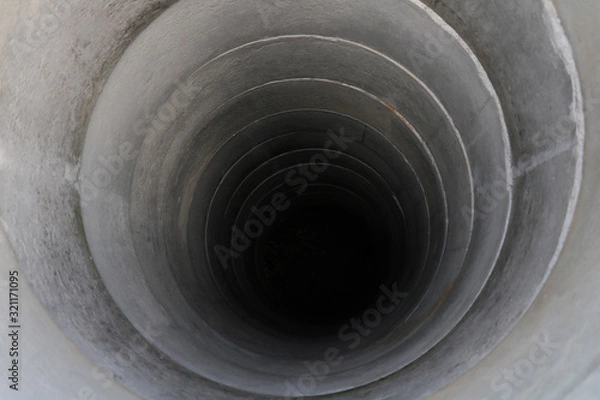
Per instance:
{"type": "Point", "coordinates": [567, 311]}
{"type": "Point", "coordinates": [565, 314]}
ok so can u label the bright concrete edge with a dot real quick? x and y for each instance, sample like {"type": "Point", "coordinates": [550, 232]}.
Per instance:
{"type": "Point", "coordinates": [49, 373]}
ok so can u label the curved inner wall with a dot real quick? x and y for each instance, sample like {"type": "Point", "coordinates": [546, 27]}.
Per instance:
{"type": "Point", "coordinates": [288, 204]}
{"type": "Point", "coordinates": [343, 186]}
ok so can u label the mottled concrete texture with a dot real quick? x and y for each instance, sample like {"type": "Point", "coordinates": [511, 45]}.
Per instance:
{"type": "Point", "coordinates": [477, 120]}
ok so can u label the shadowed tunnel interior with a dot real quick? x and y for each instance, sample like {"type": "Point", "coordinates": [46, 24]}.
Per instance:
{"type": "Point", "coordinates": [307, 223]}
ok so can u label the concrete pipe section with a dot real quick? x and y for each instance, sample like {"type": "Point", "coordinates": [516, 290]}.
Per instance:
{"type": "Point", "coordinates": [268, 199]}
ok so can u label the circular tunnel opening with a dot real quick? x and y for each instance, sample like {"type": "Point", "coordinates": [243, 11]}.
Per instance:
{"type": "Point", "coordinates": [306, 225]}
{"type": "Point", "coordinates": [354, 186]}
{"type": "Point", "coordinates": [312, 193]}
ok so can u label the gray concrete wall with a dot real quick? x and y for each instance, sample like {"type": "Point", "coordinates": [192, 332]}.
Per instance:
{"type": "Point", "coordinates": [550, 354]}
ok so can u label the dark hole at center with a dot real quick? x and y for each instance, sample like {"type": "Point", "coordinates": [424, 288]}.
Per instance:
{"type": "Point", "coordinates": [321, 264]}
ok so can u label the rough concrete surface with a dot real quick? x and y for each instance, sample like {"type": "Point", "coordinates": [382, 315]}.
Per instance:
{"type": "Point", "coordinates": [93, 282]}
